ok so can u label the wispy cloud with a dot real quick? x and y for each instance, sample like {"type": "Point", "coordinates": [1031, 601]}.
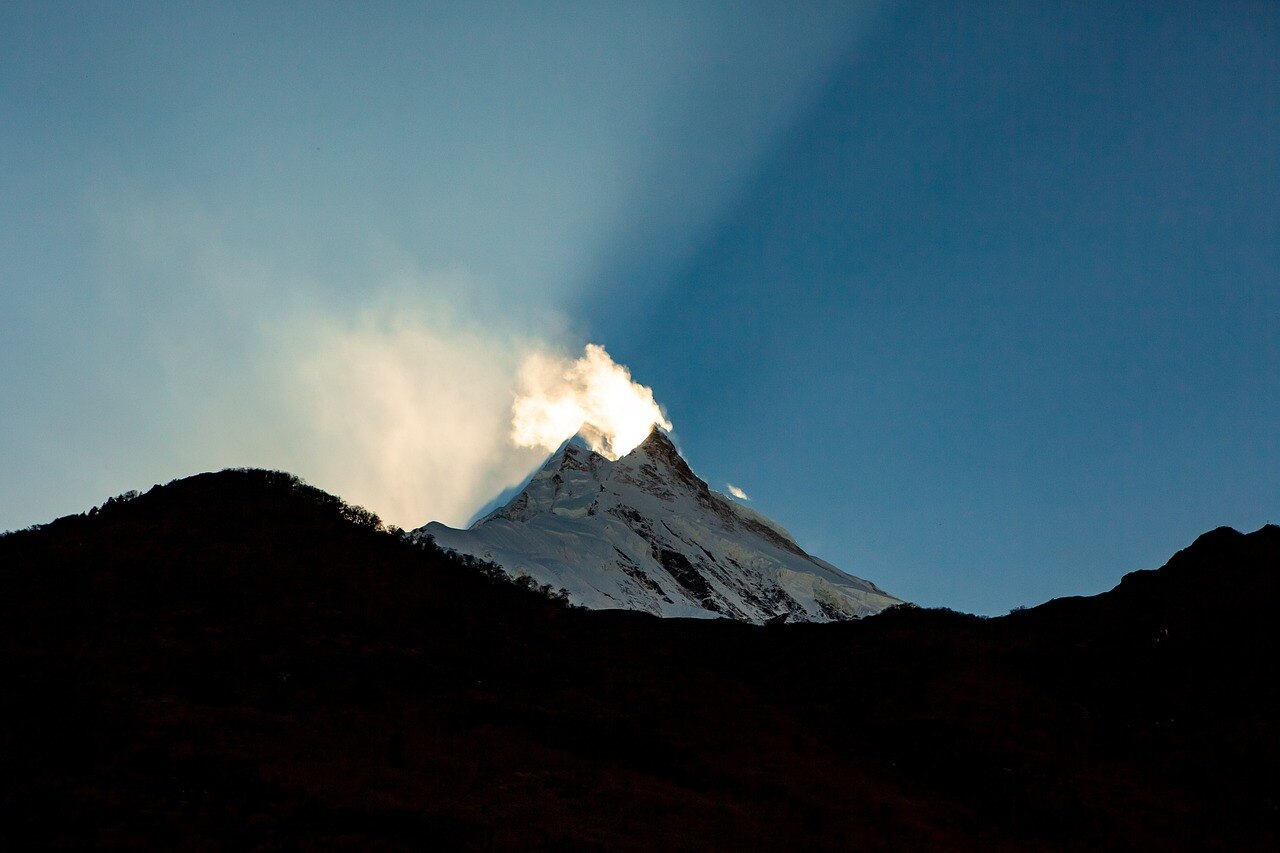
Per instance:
{"type": "Point", "coordinates": [403, 410]}
{"type": "Point", "coordinates": [399, 400]}
{"type": "Point", "coordinates": [737, 492]}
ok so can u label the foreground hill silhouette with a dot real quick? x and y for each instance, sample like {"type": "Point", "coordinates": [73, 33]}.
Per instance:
{"type": "Point", "coordinates": [237, 659]}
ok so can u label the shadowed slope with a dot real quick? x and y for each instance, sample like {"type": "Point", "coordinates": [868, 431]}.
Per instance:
{"type": "Point", "coordinates": [237, 659]}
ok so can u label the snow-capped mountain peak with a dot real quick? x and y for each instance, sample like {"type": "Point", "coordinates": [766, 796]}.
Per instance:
{"type": "Point", "coordinates": [566, 485]}
{"type": "Point", "coordinates": [644, 532]}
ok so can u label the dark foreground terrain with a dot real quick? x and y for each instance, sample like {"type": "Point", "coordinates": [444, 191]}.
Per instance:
{"type": "Point", "coordinates": [237, 660]}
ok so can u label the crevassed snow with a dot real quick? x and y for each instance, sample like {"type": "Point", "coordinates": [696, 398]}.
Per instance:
{"type": "Point", "coordinates": [645, 533]}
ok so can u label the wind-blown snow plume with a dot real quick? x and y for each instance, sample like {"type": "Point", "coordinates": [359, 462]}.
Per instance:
{"type": "Point", "coordinates": [592, 395]}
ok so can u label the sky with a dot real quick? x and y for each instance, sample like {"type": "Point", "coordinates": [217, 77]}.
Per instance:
{"type": "Point", "coordinates": [978, 300]}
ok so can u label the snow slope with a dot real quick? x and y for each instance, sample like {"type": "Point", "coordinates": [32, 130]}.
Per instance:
{"type": "Point", "coordinates": [645, 533]}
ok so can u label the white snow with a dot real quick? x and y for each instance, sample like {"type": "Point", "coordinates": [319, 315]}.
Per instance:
{"type": "Point", "coordinates": [645, 533]}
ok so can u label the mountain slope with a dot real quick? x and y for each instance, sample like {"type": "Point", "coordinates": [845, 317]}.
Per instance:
{"type": "Point", "coordinates": [235, 661]}
{"type": "Point", "coordinates": [645, 533]}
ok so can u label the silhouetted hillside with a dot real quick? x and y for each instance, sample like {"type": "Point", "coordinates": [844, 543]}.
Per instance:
{"type": "Point", "coordinates": [237, 659]}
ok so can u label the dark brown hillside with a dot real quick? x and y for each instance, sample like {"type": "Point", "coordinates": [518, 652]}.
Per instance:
{"type": "Point", "coordinates": [239, 660]}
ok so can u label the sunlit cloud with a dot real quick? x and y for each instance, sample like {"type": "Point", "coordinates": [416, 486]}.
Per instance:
{"type": "Point", "coordinates": [591, 395]}
{"type": "Point", "coordinates": [737, 492]}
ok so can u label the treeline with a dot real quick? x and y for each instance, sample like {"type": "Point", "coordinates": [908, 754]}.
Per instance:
{"type": "Point", "coordinates": [487, 568]}
{"type": "Point", "coordinates": [285, 492]}
{"type": "Point", "coordinates": [245, 478]}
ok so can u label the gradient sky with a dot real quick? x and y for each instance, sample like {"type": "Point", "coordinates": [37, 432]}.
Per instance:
{"type": "Point", "coordinates": [980, 300]}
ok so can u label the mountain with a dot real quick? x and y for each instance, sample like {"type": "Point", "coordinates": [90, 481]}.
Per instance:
{"type": "Point", "coordinates": [645, 533]}
{"type": "Point", "coordinates": [239, 661]}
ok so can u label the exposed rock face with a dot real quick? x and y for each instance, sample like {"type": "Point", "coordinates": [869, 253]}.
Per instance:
{"type": "Point", "coordinates": [646, 533]}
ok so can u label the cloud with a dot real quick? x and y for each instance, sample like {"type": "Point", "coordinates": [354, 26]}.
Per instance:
{"type": "Point", "coordinates": [394, 391]}
{"type": "Point", "coordinates": [404, 410]}
{"type": "Point", "coordinates": [737, 492]}
{"type": "Point", "coordinates": [407, 392]}
{"type": "Point", "coordinates": [399, 389]}
{"type": "Point", "coordinates": [593, 395]}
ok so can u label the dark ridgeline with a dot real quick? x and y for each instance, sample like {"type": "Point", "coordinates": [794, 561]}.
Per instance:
{"type": "Point", "coordinates": [239, 660]}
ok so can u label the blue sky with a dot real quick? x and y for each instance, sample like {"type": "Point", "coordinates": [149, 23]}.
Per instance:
{"type": "Point", "coordinates": [979, 300]}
